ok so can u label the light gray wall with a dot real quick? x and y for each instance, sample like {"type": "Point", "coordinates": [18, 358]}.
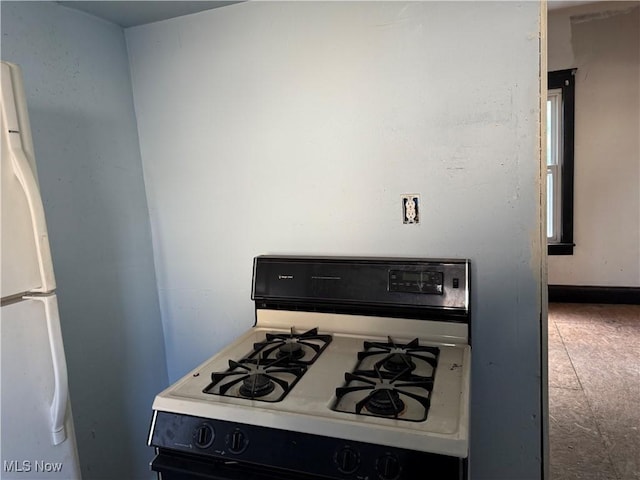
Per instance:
{"type": "Point", "coordinates": [80, 104]}
{"type": "Point", "coordinates": [603, 41]}
{"type": "Point", "coordinates": [294, 127]}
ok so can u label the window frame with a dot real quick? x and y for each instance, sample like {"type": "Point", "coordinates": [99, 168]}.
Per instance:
{"type": "Point", "coordinates": [565, 80]}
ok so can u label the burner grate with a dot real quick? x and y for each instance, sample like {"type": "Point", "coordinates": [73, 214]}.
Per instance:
{"type": "Point", "coordinates": [385, 392]}
{"type": "Point", "coordinates": [399, 356]}
{"type": "Point", "coordinates": [257, 379]}
{"type": "Point", "coordinates": [304, 347]}
{"type": "Point", "coordinates": [272, 368]}
{"type": "Point", "coordinates": [390, 380]}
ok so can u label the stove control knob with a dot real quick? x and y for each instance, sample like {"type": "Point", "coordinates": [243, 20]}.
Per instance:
{"type": "Point", "coordinates": [204, 435]}
{"type": "Point", "coordinates": [237, 441]}
{"type": "Point", "coordinates": [388, 467]}
{"type": "Point", "coordinates": [347, 459]}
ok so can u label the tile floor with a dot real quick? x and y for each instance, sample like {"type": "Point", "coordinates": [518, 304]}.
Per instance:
{"type": "Point", "coordinates": [594, 391]}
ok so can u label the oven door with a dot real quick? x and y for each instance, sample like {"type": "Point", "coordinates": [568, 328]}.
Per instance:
{"type": "Point", "coordinates": [171, 465]}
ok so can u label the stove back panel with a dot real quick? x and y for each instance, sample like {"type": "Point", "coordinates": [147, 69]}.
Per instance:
{"type": "Point", "coordinates": [364, 285]}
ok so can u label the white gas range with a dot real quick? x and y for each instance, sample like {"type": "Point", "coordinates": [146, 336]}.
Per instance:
{"type": "Point", "coordinates": [356, 368]}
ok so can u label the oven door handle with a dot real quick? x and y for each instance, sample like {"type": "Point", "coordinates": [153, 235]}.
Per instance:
{"type": "Point", "coordinates": [170, 467]}
{"type": "Point", "coordinates": [186, 467]}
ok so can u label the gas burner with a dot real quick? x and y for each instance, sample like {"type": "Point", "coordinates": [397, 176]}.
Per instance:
{"type": "Point", "coordinates": [257, 385]}
{"type": "Point", "coordinates": [397, 357]}
{"type": "Point", "coordinates": [398, 362]}
{"type": "Point", "coordinates": [303, 348]}
{"type": "Point", "coordinates": [259, 379]}
{"type": "Point", "coordinates": [291, 349]}
{"type": "Point", "coordinates": [403, 396]}
{"type": "Point", "coordinates": [385, 402]}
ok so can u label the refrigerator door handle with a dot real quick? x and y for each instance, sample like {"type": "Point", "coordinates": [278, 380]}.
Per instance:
{"type": "Point", "coordinates": [27, 179]}
{"type": "Point", "coordinates": [60, 399]}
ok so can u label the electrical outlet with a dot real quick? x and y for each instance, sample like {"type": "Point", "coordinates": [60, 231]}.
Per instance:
{"type": "Point", "coordinates": [411, 208]}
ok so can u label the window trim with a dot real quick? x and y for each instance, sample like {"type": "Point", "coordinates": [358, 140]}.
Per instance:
{"type": "Point", "coordinates": [565, 80]}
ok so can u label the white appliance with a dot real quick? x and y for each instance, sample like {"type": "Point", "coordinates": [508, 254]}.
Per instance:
{"type": "Point", "coordinates": [37, 439]}
{"type": "Point", "coordinates": [357, 368]}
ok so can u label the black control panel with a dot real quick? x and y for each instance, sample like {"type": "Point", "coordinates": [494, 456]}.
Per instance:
{"type": "Point", "coordinates": [360, 284]}
{"type": "Point", "coordinates": [416, 281]}
{"type": "Point", "coordinates": [243, 446]}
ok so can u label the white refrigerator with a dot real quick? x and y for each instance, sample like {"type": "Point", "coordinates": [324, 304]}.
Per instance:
{"type": "Point", "coordinates": [37, 440]}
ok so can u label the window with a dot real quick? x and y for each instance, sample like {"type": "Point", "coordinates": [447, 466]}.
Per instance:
{"type": "Point", "coordinates": [554, 159]}
{"type": "Point", "coordinates": [560, 128]}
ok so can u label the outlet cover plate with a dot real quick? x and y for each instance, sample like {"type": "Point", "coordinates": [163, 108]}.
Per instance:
{"type": "Point", "coordinates": [411, 208]}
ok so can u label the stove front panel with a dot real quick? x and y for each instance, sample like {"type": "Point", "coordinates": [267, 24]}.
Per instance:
{"type": "Point", "coordinates": [283, 453]}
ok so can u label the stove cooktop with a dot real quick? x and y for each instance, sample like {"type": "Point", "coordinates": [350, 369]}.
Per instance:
{"type": "Point", "coordinates": [316, 401]}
